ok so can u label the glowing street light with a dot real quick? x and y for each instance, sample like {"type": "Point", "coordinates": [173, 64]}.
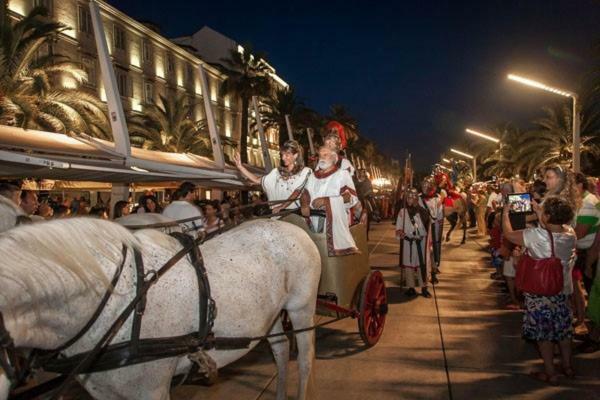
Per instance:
{"type": "Point", "coordinates": [576, 122]}
{"type": "Point", "coordinates": [540, 85]}
{"type": "Point", "coordinates": [470, 157]}
{"type": "Point", "coordinates": [446, 160]}
{"type": "Point", "coordinates": [482, 135]}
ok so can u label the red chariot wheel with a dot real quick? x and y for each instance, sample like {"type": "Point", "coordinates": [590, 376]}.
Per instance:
{"type": "Point", "coordinates": [373, 308]}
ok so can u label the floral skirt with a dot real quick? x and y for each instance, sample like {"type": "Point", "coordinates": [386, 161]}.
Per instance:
{"type": "Point", "coordinates": [547, 318]}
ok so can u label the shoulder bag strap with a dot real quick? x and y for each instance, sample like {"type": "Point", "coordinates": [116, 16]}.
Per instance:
{"type": "Point", "coordinates": [551, 242]}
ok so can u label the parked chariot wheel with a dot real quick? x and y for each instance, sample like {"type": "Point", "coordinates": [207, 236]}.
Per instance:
{"type": "Point", "coordinates": [373, 308]}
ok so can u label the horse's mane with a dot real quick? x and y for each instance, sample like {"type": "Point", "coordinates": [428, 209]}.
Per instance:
{"type": "Point", "coordinates": [9, 212]}
{"type": "Point", "coordinates": [79, 246]}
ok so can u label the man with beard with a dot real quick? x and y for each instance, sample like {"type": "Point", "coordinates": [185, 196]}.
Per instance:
{"type": "Point", "coordinates": [334, 142]}
{"type": "Point", "coordinates": [331, 189]}
{"type": "Point", "coordinates": [411, 229]}
{"type": "Point", "coordinates": [430, 201]}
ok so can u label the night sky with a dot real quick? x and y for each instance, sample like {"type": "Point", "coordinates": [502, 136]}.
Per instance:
{"type": "Point", "coordinates": [414, 74]}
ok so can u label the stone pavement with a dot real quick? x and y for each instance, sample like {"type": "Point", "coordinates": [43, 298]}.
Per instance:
{"type": "Point", "coordinates": [482, 356]}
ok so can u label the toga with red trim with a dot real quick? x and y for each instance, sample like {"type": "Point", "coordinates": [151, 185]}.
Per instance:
{"type": "Point", "coordinates": [332, 185]}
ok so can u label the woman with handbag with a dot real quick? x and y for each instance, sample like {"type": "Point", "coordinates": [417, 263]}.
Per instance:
{"type": "Point", "coordinates": [544, 277]}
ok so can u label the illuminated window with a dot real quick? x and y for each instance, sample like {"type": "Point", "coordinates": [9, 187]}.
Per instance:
{"type": "Point", "coordinates": [89, 66]}
{"type": "Point", "coordinates": [118, 37]}
{"type": "Point", "coordinates": [170, 64]}
{"type": "Point", "coordinates": [123, 83]}
{"type": "Point", "coordinates": [85, 20]}
{"type": "Point", "coordinates": [146, 50]}
{"type": "Point", "coordinates": [148, 92]}
{"type": "Point", "coordinates": [189, 74]}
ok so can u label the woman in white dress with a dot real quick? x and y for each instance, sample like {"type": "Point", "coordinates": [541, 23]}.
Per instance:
{"type": "Point", "coordinates": [285, 182]}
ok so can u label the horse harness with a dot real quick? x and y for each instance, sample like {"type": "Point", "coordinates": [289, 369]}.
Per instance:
{"type": "Point", "coordinates": [105, 356]}
{"type": "Point", "coordinates": [134, 351]}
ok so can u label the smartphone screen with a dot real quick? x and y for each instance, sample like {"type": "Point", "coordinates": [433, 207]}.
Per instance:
{"type": "Point", "coordinates": [519, 203]}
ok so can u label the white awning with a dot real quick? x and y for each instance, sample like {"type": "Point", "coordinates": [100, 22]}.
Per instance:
{"type": "Point", "coordinates": [38, 154]}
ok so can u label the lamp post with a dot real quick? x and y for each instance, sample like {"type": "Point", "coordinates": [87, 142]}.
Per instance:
{"type": "Point", "coordinates": [482, 135]}
{"type": "Point", "coordinates": [576, 122]}
{"type": "Point", "coordinates": [470, 157]}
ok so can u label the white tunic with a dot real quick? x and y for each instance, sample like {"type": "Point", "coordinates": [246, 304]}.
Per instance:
{"type": "Point", "coordinates": [181, 209]}
{"type": "Point", "coordinates": [331, 187]}
{"type": "Point", "coordinates": [278, 188]}
{"type": "Point", "coordinates": [345, 164]}
{"type": "Point", "coordinates": [410, 255]}
{"type": "Point", "coordinates": [436, 211]}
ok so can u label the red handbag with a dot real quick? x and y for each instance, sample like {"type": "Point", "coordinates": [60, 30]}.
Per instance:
{"type": "Point", "coordinates": [543, 277]}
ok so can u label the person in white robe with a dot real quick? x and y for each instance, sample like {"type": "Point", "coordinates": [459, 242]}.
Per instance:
{"type": "Point", "coordinates": [183, 208]}
{"type": "Point", "coordinates": [285, 183]}
{"type": "Point", "coordinates": [331, 189]}
{"type": "Point", "coordinates": [431, 201]}
{"type": "Point", "coordinates": [411, 229]}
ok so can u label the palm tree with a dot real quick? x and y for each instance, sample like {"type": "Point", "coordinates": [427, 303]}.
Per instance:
{"type": "Point", "coordinates": [42, 92]}
{"type": "Point", "coordinates": [285, 102]}
{"type": "Point", "coordinates": [246, 77]}
{"type": "Point", "coordinates": [167, 127]}
{"type": "Point", "coordinates": [503, 159]}
{"type": "Point", "coordinates": [551, 141]}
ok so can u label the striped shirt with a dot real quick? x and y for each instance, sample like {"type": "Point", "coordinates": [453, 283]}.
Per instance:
{"type": "Point", "coordinates": [588, 214]}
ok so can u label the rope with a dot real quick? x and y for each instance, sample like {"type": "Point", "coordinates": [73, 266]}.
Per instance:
{"type": "Point", "coordinates": [439, 321]}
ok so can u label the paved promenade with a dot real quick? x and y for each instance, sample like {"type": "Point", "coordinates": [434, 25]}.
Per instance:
{"type": "Point", "coordinates": [467, 347]}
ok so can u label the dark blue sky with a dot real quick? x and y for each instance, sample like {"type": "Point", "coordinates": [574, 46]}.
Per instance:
{"type": "Point", "coordinates": [414, 73]}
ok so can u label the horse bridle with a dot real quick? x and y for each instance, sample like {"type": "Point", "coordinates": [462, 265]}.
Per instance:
{"type": "Point", "coordinates": [22, 219]}
{"type": "Point", "coordinates": [16, 371]}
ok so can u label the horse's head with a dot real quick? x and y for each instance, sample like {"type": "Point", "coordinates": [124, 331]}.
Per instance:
{"type": "Point", "coordinates": [10, 214]}
{"type": "Point", "coordinates": [156, 221]}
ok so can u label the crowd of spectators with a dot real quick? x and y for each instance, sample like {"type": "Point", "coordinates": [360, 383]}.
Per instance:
{"type": "Point", "coordinates": [566, 216]}
{"type": "Point", "coordinates": [217, 214]}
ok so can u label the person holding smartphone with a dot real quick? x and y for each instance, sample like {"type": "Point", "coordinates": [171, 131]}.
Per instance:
{"type": "Point", "coordinates": [548, 319]}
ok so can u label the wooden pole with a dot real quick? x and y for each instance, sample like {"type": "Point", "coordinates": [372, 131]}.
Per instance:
{"type": "Point", "coordinates": [289, 127]}
{"type": "Point", "coordinates": [118, 124]}
{"type": "Point", "coordinates": [261, 134]}
{"type": "Point", "coordinates": [215, 139]}
{"type": "Point", "coordinates": [309, 132]}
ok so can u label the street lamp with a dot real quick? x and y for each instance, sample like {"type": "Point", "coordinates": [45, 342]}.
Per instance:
{"type": "Point", "coordinates": [482, 135]}
{"type": "Point", "coordinates": [470, 157]}
{"type": "Point", "coordinates": [576, 122]}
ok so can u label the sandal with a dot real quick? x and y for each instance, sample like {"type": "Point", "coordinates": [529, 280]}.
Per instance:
{"type": "Point", "coordinates": [543, 377]}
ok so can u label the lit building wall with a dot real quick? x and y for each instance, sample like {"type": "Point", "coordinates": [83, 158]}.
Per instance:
{"type": "Point", "coordinates": [144, 61]}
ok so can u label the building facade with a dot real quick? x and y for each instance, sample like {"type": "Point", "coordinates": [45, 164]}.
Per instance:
{"type": "Point", "coordinates": [213, 47]}
{"type": "Point", "coordinates": [146, 65]}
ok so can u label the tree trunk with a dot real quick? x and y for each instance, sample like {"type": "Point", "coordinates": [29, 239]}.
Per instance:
{"type": "Point", "coordinates": [283, 134]}
{"type": "Point", "coordinates": [244, 131]}
{"type": "Point", "coordinates": [244, 143]}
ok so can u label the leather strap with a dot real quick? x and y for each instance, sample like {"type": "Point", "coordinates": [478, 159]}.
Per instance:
{"type": "Point", "coordinates": [551, 242]}
{"type": "Point", "coordinates": [140, 308]}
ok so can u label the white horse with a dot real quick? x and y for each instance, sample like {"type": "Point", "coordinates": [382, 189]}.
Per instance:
{"type": "Point", "coordinates": [54, 274]}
